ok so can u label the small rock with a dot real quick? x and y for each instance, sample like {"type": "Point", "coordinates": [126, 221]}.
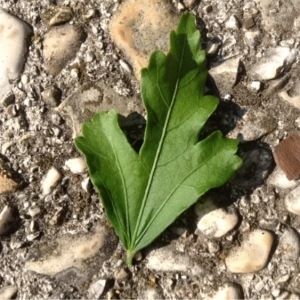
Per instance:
{"type": "Point", "coordinates": [51, 96]}
{"type": "Point", "coordinates": [121, 275]}
{"type": "Point", "coordinates": [253, 37]}
{"type": "Point", "coordinates": [232, 23]}
{"type": "Point", "coordinates": [96, 289]}
{"type": "Point", "coordinates": [34, 211]}
{"type": "Point", "coordinates": [89, 14]}
{"type": "Point", "coordinates": [8, 100]}
{"type": "Point", "coordinates": [72, 252]}
{"type": "Point", "coordinates": [252, 255]}
{"type": "Point", "coordinates": [140, 27]}
{"type": "Point", "coordinates": [125, 66]}
{"type": "Point", "coordinates": [57, 217]}
{"type": "Point", "coordinates": [292, 201]}
{"type": "Point", "coordinates": [207, 9]}
{"type": "Point", "coordinates": [287, 156]}
{"type": "Point", "coordinates": [213, 247]}
{"type": "Point", "coordinates": [88, 100]}
{"type": "Point", "coordinates": [76, 165]}
{"type": "Point", "coordinates": [167, 259]}
{"type": "Point", "coordinates": [60, 46]}
{"type": "Point", "coordinates": [225, 74]}
{"type": "Point", "coordinates": [289, 246]}
{"type": "Point", "coordinates": [32, 236]}
{"type": "Point", "coordinates": [89, 57]}
{"type": "Point", "coordinates": [6, 217]}
{"type": "Point", "coordinates": [254, 124]}
{"type": "Point", "coordinates": [218, 222]}
{"type": "Point", "coordinates": [8, 183]}
{"type": "Point", "coordinates": [13, 39]}
{"type": "Point", "coordinates": [228, 292]}
{"type": "Point", "coordinates": [279, 179]}
{"type": "Point", "coordinates": [86, 184]}
{"type": "Point", "coordinates": [292, 100]}
{"type": "Point", "coordinates": [255, 86]}
{"type": "Point", "coordinates": [8, 292]}
{"type": "Point", "coordinates": [248, 22]}
{"type": "Point", "coordinates": [273, 64]}
{"type": "Point", "coordinates": [50, 180]}
{"type": "Point", "coordinates": [62, 15]}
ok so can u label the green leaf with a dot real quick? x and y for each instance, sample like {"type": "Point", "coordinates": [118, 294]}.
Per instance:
{"type": "Point", "coordinates": [143, 193]}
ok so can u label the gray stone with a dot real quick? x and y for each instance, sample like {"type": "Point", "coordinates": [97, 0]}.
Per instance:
{"type": "Point", "coordinates": [60, 46]}
{"type": "Point", "coordinates": [273, 64]}
{"type": "Point", "coordinates": [225, 73]}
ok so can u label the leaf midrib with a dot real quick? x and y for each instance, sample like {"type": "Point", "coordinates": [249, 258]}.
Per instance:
{"type": "Point", "coordinates": [158, 152]}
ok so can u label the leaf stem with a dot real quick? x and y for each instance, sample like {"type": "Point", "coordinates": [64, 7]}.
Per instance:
{"type": "Point", "coordinates": [129, 257]}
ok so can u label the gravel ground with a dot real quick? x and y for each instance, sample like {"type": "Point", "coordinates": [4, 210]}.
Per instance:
{"type": "Point", "coordinates": [62, 61]}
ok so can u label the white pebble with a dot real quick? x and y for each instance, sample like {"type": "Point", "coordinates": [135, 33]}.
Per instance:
{"type": "Point", "coordinates": [168, 260]}
{"type": "Point", "coordinates": [125, 66]}
{"type": "Point", "coordinates": [253, 253]}
{"type": "Point", "coordinates": [76, 165]}
{"type": "Point", "coordinates": [5, 219]}
{"type": "Point", "coordinates": [218, 223]}
{"type": "Point", "coordinates": [50, 180]}
{"type": "Point", "coordinates": [288, 247]}
{"type": "Point", "coordinates": [85, 184]}
{"type": "Point", "coordinates": [292, 201]}
{"type": "Point", "coordinates": [228, 292]}
{"type": "Point", "coordinates": [279, 179]}
{"type": "Point", "coordinates": [13, 40]}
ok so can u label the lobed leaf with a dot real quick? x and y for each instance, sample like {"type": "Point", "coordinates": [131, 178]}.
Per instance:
{"type": "Point", "coordinates": [143, 193]}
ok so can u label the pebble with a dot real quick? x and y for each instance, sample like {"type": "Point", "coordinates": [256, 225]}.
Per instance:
{"type": "Point", "coordinates": [139, 28]}
{"type": "Point", "coordinates": [121, 275]}
{"type": "Point", "coordinates": [273, 64]}
{"type": "Point", "coordinates": [6, 217]}
{"type": "Point", "coordinates": [72, 251]}
{"type": "Point", "coordinates": [255, 86]}
{"type": "Point", "coordinates": [32, 236]}
{"type": "Point", "coordinates": [34, 211]}
{"type": "Point", "coordinates": [292, 201]}
{"type": "Point", "coordinates": [52, 96]}
{"type": "Point", "coordinates": [76, 165]}
{"type": "Point", "coordinates": [253, 253]}
{"type": "Point", "coordinates": [96, 289]}
{"type": "Point", "coordinates": [292, 100]}
{"type": "Point", "coordinates": [60, 46]}
{"type": "Point", "coordinates": [232, 23]}
{"type": "Point", "coordinates": [286, 155]}
{"type": "Point", "coordinates": [279, 179]}
{"type": "Point", "coordinates": [125, 65]}
{"type": "Point", "coordinates": [8, 292]}
{"type": "Point", "coordinates": [84, 103]}
{"type": "Point", "coordinates": [225, 73]}
{"type": "Point", "coordinates": [248, 22]}
{"type": "Point", "coordinates": [167, 259]}
{"type": "Point", "coordinates": [50, 180]}
{"type": "Point", "coordinates": [62, 15]}
{"type": "Point", "coordinates": [254, 124]}
{"type": "Point", "coordinates": [218, 222]}
{"type": "Point", "coordinates": [228, 292]}
{"type": "Point", "coordinates": [89, 57]}
{"type": "Point", "coordinates": [289, 245]}
{"type": "Point", "coordinates": [57, 217]}
{"type": "Point", "coordinates": [86, 184]}
{"type": "Point", "coordinates": [13, 39]}
{"type": "Point", "coordinates": [8, 100]}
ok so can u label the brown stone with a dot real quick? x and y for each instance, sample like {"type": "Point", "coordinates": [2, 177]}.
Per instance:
{"type": "Point", "coordinates": [287, 156]}
{"type": "Point", "coordinates": [142, 26]}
